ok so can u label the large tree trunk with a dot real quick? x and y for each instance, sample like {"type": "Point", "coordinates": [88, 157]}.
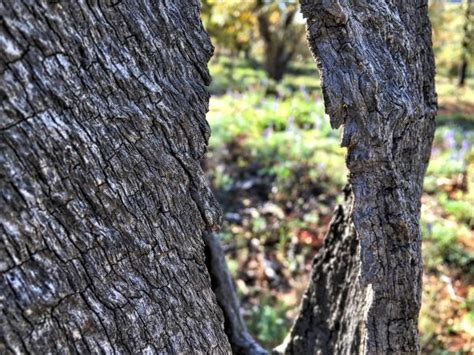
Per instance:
{"type": "Point", "coordinates": [377, 71]}
{"type": "Point", "coordinates": [103, 202]}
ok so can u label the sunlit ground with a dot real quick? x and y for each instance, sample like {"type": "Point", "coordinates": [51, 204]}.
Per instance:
{"type": "Point", "coordinates": [277, 169]}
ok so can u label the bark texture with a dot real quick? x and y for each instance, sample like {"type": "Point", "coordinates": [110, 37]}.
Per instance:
{"type": "Point", "coordinates": [331, 312]}
{"type": "Point", "coordinates": [103, 204]}
{"type": "Point", "coordinates": [377, 70]}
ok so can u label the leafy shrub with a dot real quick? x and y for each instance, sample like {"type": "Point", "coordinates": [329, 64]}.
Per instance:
{"type": "Point", "coordinates": [268, 321]}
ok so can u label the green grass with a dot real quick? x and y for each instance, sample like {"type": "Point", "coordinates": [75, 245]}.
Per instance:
{"type": "Point", "coordinates": [281, 133]}
{"type": "Point", "coordinates": [245, 75]}
{"type": "Point", "coordinates": [442, 246]}
{"type": "Point", "coordinates": [269, 323]}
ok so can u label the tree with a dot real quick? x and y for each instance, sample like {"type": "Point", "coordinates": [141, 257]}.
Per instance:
{"type": "Point", "coordinates": [377, 72]}
{"type": "Point", "coordinates": [451, 30]}
{"type": "Point", "coordinates": [467, 42]}
{"type": "Point", "coordinates": [103, 202]}
{"type": "Point", "coordinates": [230, 24]}
{"type": "Point", "coordinates": [280, 35]}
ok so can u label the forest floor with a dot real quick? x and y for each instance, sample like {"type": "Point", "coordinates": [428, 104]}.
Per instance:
{"type": "Point", "coordinates": [277, 169]}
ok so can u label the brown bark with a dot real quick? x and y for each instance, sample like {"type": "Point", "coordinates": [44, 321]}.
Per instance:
{"type": "Point", "coordinates": [103, 203]}
{"type": "Point", "coordinates": [377, 71]}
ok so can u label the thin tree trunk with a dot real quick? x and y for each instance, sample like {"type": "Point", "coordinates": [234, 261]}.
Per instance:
{"type": "Point", "coordinates": [103, 203]}
{"type": "Point", "coordinates": [467, 46]}
{"type": "Point", "coordinates": [223, 286]}
{"type": "Point", "coordinates": [462, 72]}
{"type": "Point", "coordinates": [377, 71]}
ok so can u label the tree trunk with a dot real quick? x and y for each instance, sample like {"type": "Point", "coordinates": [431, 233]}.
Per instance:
{"type": "Point", "coordinates": [103, 202]}
{"type": "Point", "coordinates": [462, 72]}
{"type": "Point", "coordinates": [276, 61]}
{"type": "Point", "coordinates": [467, 46]}
{"type": "Point", "coordinates": [280, 43]}
{"type": "Point", "coordinates": [223, 286]}
{"type": "Point", "coordinates": [377, 70]}
{"type": "Point", "coordinates": [330, 320]}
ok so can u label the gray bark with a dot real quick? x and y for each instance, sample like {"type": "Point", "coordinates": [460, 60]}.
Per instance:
{"type": "Point", "coordinates": [377, 70]}
{"type": "Point", "coordinates": [103, 204]}
{"type": "Point", "coordinates": [330, 319]}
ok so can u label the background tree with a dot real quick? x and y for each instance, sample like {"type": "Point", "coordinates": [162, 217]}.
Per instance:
{"type": "Point", "coordinates": [103, 203]}
{"type": "Point", "coordinates": [235, 26]}
{"type": "Point", "coordinates": [448, 26]}
{"type": "Point", "coordinates": [279, 33]}
{"type": "Point", "coordinates": [230, 24]}
{"type": "Point", "coordinates": [467, 42]}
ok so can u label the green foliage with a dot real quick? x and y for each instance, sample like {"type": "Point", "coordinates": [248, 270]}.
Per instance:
{"type": "Point", "coordinates": [270, 31]}
{"type": "Point", "coordinates": [461, 210]}
{"type": "Point", "coordinates": [447, 23]}
{"type": "Point", "coordinates": [222, 179]}
{"type": "Point", "coordinates": [244, 75]}
{"type": "Point", "coordinates": [230, 23]}
{"type": "Point", "coordinates": [452, 146]}
{"type": "Point", "coordinates": [268, 320]}
{"type": "Point", "coordinates": [467, 322]}
{"type": "Point", "coordinates": [283, 133]}
{"type": "Point", "coordinates": [442, 246]}
{"type": "Point", "coordinates": [449, 92]}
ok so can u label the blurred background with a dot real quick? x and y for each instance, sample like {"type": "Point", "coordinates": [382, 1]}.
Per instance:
{"type": "Point", "coordinates": [277, 168]}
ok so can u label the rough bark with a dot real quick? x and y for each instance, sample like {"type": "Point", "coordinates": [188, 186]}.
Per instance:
{"type": "Point", "coordinates": [330, 320]}
{"type": "Point", "coordinates": [103, 204]}
{"type": "Point", "coordinates": [377, 70]}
